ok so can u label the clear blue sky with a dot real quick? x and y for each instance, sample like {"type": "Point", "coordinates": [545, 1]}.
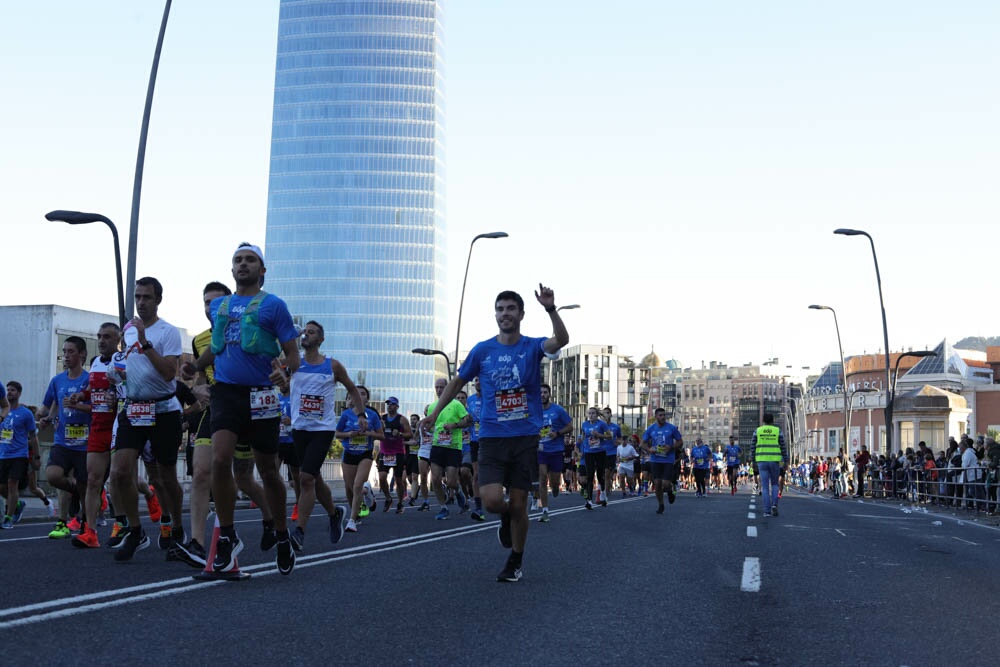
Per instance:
{"type": "Point", "coordinates": [676, 168]}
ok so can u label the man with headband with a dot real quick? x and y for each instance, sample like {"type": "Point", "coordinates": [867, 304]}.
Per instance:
{"type": "Point", "coordinates": [250, 330]}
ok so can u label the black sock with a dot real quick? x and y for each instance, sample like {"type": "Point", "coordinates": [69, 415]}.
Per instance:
{"type": "Point", "coordinates": [122, 519]}
{"type": "Point", "coordinates": [268, 524]}
{"type": "Point", "coordinates": [515, 558]}
{"type": "Point", "coordinates": [282, 535]}
{"type": "Point", "coordinates": [165, 519]}
{"type": "Point", "coordinates": [227, 531]}
{"type": "Point", "coordinates": [46, 501]}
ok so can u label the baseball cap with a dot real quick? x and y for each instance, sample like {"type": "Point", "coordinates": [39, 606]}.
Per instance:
{"type": "Point", "coordinates": [392, 399]}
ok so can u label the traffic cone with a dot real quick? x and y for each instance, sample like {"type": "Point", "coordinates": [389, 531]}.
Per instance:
{"type": "Point", "coordinates": [209, 573]}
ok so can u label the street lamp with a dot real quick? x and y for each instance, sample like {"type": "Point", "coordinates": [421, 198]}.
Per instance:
{"type": "Point", "coordinates": [843, 368]}
{"type": "Point", "coordinates": [78, 218]}
{"type": "Point", "coordinates": [895, 373]}
{"type": "Point", "coordinates": [461, 302]}
{"type": "Point", "coordinates": [140, 160]}
{"type": "Point", "coordinates": [572, 306]}
{"type": "Point", "coordinates": [429, 352]}
{"type": "Point", "coordinates": [885, 332]}
{"type": "Point", "coordinates": [850, 411]}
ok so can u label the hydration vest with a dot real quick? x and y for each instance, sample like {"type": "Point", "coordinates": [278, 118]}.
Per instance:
{"type": "Point", "coordinates": [253, 339]}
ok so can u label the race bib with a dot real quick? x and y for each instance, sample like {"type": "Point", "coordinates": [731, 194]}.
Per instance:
{"type": "Point", "coordinates": [284, 430]}
{"type": "Point", "coordinates": [466, 438]}
{"type": "Point", "coordinates": [661, 450]}
{"type": "Point", "coordinates": [545, 434]}
{"type": "Point", "coordinates": [141, 414]}
{"type": "Point", "coordinates": [7, 435]}
{"type": "Point", "coordinates": [512, 404]}
{"type": "Point", "coordinates": [77, 432]}
{"type": "Point", "coordinates": [311, 406]}
{"type": "Point", "coordinates": [389, 460]}
{"type": "Point", "coordinates": [101, 401]}
{"type": "Point", "coordinates": [594, 441]}
{"type": "Point", "coordinates": [359, 441]}
{"type": "Point", "coordinates": [264, 403]}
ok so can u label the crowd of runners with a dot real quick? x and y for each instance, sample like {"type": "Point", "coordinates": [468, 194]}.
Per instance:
{"type": "Point", "coordinates": [260, 395]}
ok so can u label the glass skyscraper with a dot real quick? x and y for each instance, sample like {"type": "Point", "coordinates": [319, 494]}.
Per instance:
{"type": "Point", "coordinates": [355, 212]}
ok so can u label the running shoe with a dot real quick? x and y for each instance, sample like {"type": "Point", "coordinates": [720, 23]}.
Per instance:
{"type": "Point", "coordinates": [118, 534]}
{"type": "Point", "coordinates": [476, 515]}
{"type": "Point", "coordinates": [298, 538]}
{"type": "Point", "coordinates": [589, 506]}
{"type": "Point", "coordinates": [509, 574]}
{"type": "Point", "coordinates": [774, 511]}
{"type": "Point", "coordinates": [387, 504]}
{"type": "Point", "coordinates": [191, 553]}
{"type": "Point", "coordinates": [51, 509]}
{"type": "Point", "coordinates": [226, 550]}
{"type": "Point", "coordinates": [426, 506]}
{"type": "Point", "coordinates": [443, 514]}
{"type": "Point", "coordinates": [399, 508]}
{"type": "Point", "coordinates": [175, 540]}
{"type": "Point", "coordinates": [406, 499]}
{"type": "Point", "coordinates": [18, 511]}
{"type": "Point", "coordinates": [369, 496]}
{"type": "Point", "coordinates": [153, 505]}
{"type": "Point", "coordinates": [136, 541]}
{"type": "Point", "coordinates": [412, 502]}
{"type": "Point", "coordinates": [268, 539]}
{"type": "Point", "coordinates": [87, 540]}
{"type": "Point", "coordinates": [285, 559]}
{"type": "Point", "coordinates": [503, 532]}
{"type": "Point", "coordinates": [604, 501]}
{"type": "Point", "coordinates": [60, 532]}
{"type": "Point", "coordinates": [74, 524]}
{"type": "Point", "coordinates": [659, 510]}
{"type": "Point", "coordinates": [8, 523]}
{"type": "Point", "coordinates": [545, 516]}
{"type": "Point", "coordinates": [352, 526]}
{"type": "Point", "coordinates": [463, 502]}
{"type": "Point", "coordinates": [363, 512]}
{"type": "Point", "coordinates": [295, 512]}
{"type": "Point", "coordinates": [671, 496]}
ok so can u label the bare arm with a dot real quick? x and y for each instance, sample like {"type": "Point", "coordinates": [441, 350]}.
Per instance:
{"type": "Point", "coordinates": [560, 337]}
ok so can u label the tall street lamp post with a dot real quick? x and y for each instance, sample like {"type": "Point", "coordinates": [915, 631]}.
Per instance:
{"type": "Point", "coordinates": [461, 302]}
{"type": "Point", "coordinates": [850, 412]}
{"type": "Point", "coordinates": [133, 228]}
{"type": "Point", "coordinates": [843, 368]}
{"type": "Point", "coordinates": [78, 218]}
{"type": "Point", "coordinates": [429, 352]}
{"type": "Point", "coordinates": [885, 333]}
{"type": "Point", "coordinates": [895, 374]}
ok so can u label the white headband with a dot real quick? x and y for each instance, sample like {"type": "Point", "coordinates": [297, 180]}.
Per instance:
{"type": "Point", "coordinates": [252, 248]}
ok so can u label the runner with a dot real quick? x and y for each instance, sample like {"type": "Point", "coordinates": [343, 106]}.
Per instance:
{"type": "Point", "coordinates": [357, 430]}
{"type": "Point", "coordinates": [413, 461]}
{"type": "Point", "coordinates": [193, 553]}
{"type": "Point", "coordinates": [18, 453]}
{"type": "Point", "coordinates": [610, 451]}
{"type": "Point", "coordinates": [426, 434]}
{"type": "Point", "coordinates": [474, 405]}
{"type": "Point", "coordinates": [100, 398]}
{"type": "Point", "coordinates": [288, 455]}
{"type": "Point", "coordinates": [556, 423]}
{"type": "Point", "coordinates": [701, 454]}
{"type": "Point", "coordinates": [151, 414]}
{"type": "Point", "coordinates": [626, 456]}
{"type": "Point", "coordinates": [733, 471]}
{"type": "Point", "coordinates": [509, 368]}
{"type": "Point", "coordinates": [569, 463]}
{"type": "Point", "coordinates": [593, 433]}
{"type": "Point", "coordinates": [72, 428]}
{"type": "Point", "coordinates": [392, 453]}
{"type": "Point", "coordinates": [446, 450]}
{"type": "Point", "coordinates": [313, 390]}
{"type": "Point", "coordinates": [662, 441]}
{"type": "Point", "coordinates": [718, 463]}
{"type": "Point", "coordinates": [465, 472]}
{"type": "Point", "coordinates": [250, 329]}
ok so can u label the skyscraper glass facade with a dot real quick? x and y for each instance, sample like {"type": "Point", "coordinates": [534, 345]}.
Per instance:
{"type": "Point", "coordinates": [355, 214]}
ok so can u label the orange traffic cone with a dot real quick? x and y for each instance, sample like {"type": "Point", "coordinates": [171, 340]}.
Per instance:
{"type": "Point", "coordinates": [209, 573]}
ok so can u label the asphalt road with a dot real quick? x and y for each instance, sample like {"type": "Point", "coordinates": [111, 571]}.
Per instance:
{"type": "Point", "coordinates": [834, 582]}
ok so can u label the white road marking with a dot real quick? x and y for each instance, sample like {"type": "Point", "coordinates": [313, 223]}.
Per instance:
{"type": "Point", "coordinates": [975, 544]}
{"type": "Point", "coordinates": [752, 506]}
{"type": "Point", "coordinates": [751, 531]}
{"type": "Point", "coordinates": [842, 533]}
{"type": "Point", "coordinates": [751, 575]}
{"type": "Point", "coordinates": [751, 515]}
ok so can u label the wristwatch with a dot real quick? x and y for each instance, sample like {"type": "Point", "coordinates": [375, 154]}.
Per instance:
{"type": "Point", "coordinates": [147, 346]}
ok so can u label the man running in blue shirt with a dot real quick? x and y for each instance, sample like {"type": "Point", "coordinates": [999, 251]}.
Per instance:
{"type": "Point", "coordinates": [556, 423]}
{"type": "Point", "coordinates": [662, 441]}
{"type": "Point", "coordinates": [509, 370]}
{"type": "Point", "coordinates": [610, 451]}
{"type": "Point", "coordinates": [732, 453]}
{"type": "Point", "coordinates": [593, 433]}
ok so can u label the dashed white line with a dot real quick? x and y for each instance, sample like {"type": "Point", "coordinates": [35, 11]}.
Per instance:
{"type": "Point", "coordinates": [751, 515]}
{"type": "Point", "coordinates": [751, 575]}
{"type": "Point", "coordinates": [751, 531]}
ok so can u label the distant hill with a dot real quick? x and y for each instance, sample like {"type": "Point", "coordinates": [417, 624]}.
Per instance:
{"type": "Point", "coordinates": [977, 343]}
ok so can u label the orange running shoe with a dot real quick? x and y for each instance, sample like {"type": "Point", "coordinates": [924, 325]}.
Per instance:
{"type": "Point", "coordinates": [295, 512]}
{"type": "Point", "coordinates": [154, 506]}
{"type": "Point", "coordinates": [74, 525]}
{"type": "Point", "coordinates": [87, 539]}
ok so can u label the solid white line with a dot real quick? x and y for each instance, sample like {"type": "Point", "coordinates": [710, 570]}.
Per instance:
{"type": "Point", "coordinates": [975, 544]}
{"type": "Point", "coordinates": [751, 575]}
{"type": "Point", "coordinates": [751, 515]}
{"type": "Point", "coordinates": [751, 531]}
